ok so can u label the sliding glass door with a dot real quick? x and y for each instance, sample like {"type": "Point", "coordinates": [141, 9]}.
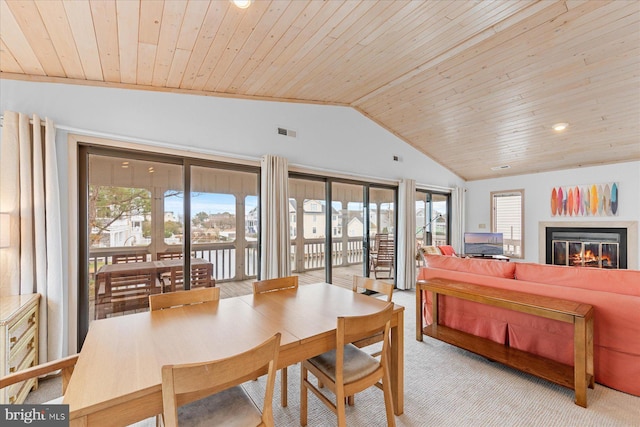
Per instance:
{"type": "Point", "coordinates": [340, 220]}
{"type": "Point", "coordinates": [134, 237]}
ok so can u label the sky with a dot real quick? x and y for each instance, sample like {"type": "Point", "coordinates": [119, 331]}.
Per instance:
{"type": "Point", "coordinates": [208, 202]}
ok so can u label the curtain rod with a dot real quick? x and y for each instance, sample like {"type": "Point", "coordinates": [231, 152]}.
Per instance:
{"type": "Point", "coordinates": [42, 122]}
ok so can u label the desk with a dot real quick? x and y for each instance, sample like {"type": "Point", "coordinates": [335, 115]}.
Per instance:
{"type": "Point", "coordinates": [135, 347]}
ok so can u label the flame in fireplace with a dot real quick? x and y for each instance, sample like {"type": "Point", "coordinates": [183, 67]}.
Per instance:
{"type": "Point", "coordinates": [589, 258]}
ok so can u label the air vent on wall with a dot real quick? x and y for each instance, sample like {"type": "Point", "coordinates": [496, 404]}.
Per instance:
{"type": "Point", "coordinates": [287, 132]}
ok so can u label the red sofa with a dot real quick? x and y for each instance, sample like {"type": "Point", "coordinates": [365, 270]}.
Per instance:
{"type": "Point", "coordinates": [614, 294]}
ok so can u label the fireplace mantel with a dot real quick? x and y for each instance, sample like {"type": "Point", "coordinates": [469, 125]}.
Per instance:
{"type": "Point", "coordinates": [632, 236]}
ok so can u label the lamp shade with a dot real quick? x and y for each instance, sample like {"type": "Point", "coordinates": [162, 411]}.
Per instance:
{"type": "Point", "coordinates": [5, 236]}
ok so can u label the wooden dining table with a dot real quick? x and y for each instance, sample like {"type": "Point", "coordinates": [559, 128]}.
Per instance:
{"type": "Point", "coordinates": [117, 380]}
{"type": "Point", "coordinates": [158, 266]}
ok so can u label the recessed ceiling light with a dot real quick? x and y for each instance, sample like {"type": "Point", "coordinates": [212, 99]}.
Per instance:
{"type": "Point", "coordinates": [242, 4]}
{"type": "Point", "coordinates": [559, 127]}
{"type": "Point", "coordinates": [498, 168]}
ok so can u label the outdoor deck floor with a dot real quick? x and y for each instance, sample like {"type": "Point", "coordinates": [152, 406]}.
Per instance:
{"type": "Point", "coordinates": [342, 276]}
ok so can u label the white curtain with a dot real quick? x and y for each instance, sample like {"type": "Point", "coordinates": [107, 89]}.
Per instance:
{"type": "Point", "coordinates": [457, 219]}
{"type": "Point", "coordinates": [406, 270]}
{"type": "Point", "coordinates": [274, 204]}
{"type": "Point", "coordinates": [29, 193]}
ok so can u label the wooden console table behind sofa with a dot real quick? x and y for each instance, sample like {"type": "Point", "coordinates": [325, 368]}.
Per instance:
{"type": "Point", "coordinates": [576, 377]}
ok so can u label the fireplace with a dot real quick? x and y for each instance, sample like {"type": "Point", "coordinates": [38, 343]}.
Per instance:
{"type": "Point", "coordinates": [601, 247]}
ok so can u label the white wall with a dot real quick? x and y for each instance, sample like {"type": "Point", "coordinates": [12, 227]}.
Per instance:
{"type": "Point", "coordinates": [537, 193]}
{"type": "Point", "coordinates": [329, 137]}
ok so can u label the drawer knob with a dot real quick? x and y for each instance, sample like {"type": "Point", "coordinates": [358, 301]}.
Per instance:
{"type": "Point", "coordinates": [12, 369]}
{"type": "Point", "coordinates": [13, 340]}
{"type": "Point", "coordinates": [12, 399]}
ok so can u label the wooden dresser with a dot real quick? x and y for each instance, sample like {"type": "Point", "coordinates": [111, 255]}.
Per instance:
{"type": "Point", "coordinates": [18, 342]}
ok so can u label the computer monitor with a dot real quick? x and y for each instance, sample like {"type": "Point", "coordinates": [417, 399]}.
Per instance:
{"type": "Point", "coordinates": [481, 244]}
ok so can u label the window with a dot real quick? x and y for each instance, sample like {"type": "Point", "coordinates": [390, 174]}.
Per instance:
{"type": "Point", "coordinates": [507, 211]}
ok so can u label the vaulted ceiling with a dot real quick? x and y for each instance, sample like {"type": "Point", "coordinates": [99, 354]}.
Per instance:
{"type": "Point", "coordinates": [475, 85]}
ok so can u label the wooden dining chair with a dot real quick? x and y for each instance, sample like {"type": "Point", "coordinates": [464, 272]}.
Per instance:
{"type": "Point", "coordinates": [275, 285]}
{"type": "Point", "coordinates": [373, 285]}
{"type": "Point", "coordinates": [65, 365]}
{"type": "Point", "coordinates": [212, 390]}
{"type": "Point", "coordinates": [272, 285]}
{"type": "Point", "coordinates": [376, 287]}
{"type": "Point", "coordinates": [174, 299]}
{"type": "Point", "coordinates": [347, 370]}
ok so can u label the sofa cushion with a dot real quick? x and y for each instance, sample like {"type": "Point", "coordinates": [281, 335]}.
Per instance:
{"type": "Point", "coordinates": [447, 250]}
{"type": "Point", "coordinates": [472, 265]}
{"type": "Point", "coordinates": [626, 282]}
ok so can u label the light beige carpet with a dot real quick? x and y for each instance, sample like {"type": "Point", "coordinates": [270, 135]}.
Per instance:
{"type": "Point", "coordinates": [446, 386]}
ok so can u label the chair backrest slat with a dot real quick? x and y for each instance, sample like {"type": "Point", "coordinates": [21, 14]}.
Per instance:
{"type": "Point", "coordinates": [173, 299]}
{"type": "Point", "coordinates": [279, 284]}
{"type": "Point", "coordinates": [374, 285]}
{"type": "Point", "coordinates": [186, 382]}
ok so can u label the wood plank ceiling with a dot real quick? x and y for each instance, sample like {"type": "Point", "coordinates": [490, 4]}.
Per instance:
{"type": "Point", "coordinates": [472, 84]}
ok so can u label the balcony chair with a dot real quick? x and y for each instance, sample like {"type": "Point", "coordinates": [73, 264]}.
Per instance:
{"type": "Point", "coordinates": [383, 259]}
{"type": "Point", "coordinates": [125, 258]}
{"type": "Point", "coordinates": [275, 285]}
{"type": "Point", "coordinates": [201, 277]}
{"type": "Point", "coordinates": [173, 299]}
{"type": "Point", "coordinates": [121, 292]}
{"type": "Point", "coordinates": [212, 390]}
{"type": "Point", "coordinates": [169, 255]}
{"type": "Point", "coordinates": [347, 370]}
{"type": "Point", "coordinates": [64, 365]}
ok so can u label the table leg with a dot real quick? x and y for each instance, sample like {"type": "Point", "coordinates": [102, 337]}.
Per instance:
{"type": "Point", "coordinates": [418, 313]}
{"type": "Point", "coordinates": [434, 309]}
{"type": "Point", "coordinates": [580, 361]}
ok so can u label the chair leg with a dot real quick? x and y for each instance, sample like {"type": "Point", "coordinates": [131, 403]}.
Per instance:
{"type": "Point", "coordinates": [283, 387]}
{"type": "Point", "coordinates": [303, 395]}
{"type": "Point", "coordinates": [388, 398]}
{"type": "Point", "coordinates": [341, 410]}
{"type": "Point", "coordinates": [350, 400]}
